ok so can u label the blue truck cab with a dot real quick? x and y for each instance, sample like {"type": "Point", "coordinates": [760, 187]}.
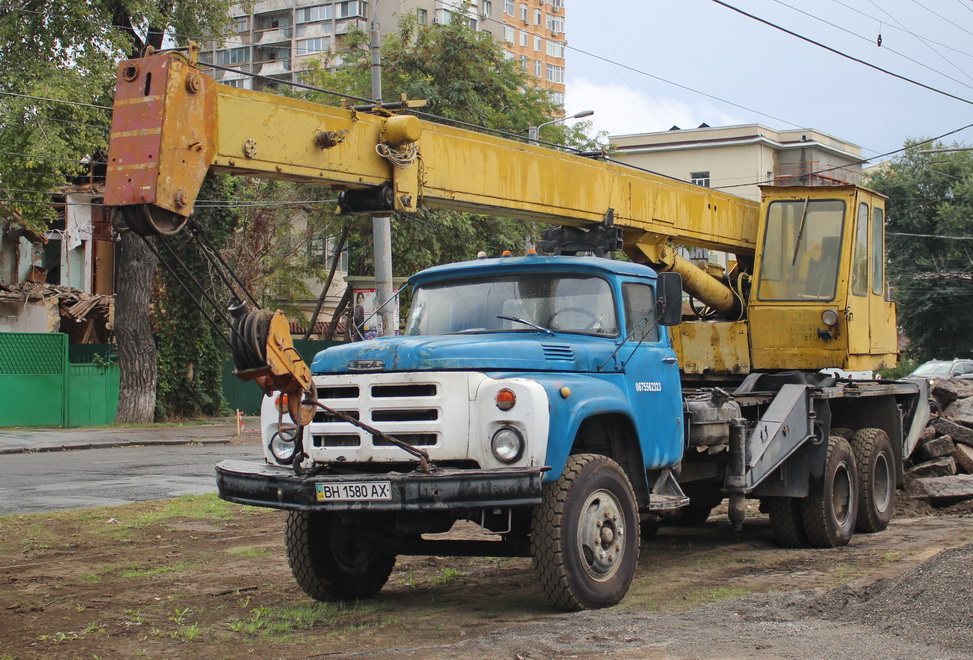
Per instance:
{"type": "Point", "coordinates": [535, 396]}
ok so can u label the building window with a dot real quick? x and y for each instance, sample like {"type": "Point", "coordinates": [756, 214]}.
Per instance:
{"type": "Point", "coordinates": [241, 23]}
{"type": "Point", "coordinates": [508, 34]}
{"type": "Point", "coordinates": [555, 74]}
{"type": "Point", "coordinates": [537, 17]}
{"type": "Point", "coordinates": [316, 13]}
{"type": "Point", "coordinates": [537, 42]}
{"type": "Point", "coordinates": [422, 16]}
{"type": "Point", "coordinates": [558, 4]}
{"type": "Point", "coordinates": [523, 12]}
{"type": "Point", "coordinates": [555, 23]}
{"type": "Point", "coordinates": [555, 49]}
{"type": "Point", "coordinates": [233, 56]}
{"type": "Point", "coordinates": [508, 7]}
{"type": "Point", "coordinates": [309, 46]}
{"type": "Point", "coordinates": [523, 38]}
{"type": "Point", "coordinates": [525, 62]}
{"type": "Point", "coordinates": [508, 55]}
{"type": "Point", "coordinates": [699, 178]}
{"type": "Point", "coordinates": [557, 98]}
{"type": "Point", "coordinates": [538, 68]}
{"type": "Point", "coordinates": [352, 9]}
{"type": "Point", "coordinates": [487, 8]}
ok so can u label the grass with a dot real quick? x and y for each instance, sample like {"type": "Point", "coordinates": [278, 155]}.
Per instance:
{"type": "Point", "coordinates": [148, 572]}
{"type": "Point", "coordinates": [251, 552]}
{"type": "Point", "coordinates": [447, 575]}
{"type": "Point", "coordinates": [281, 622]}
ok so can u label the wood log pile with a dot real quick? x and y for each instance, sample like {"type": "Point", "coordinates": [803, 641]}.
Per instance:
{"type": "Point", "coordinates": [85, 318]}
{"type": "Point", "coordinates": [940, 469]}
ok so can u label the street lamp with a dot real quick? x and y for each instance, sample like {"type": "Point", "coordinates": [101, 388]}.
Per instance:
{"type": "Point", "coordinates": [534, 131]}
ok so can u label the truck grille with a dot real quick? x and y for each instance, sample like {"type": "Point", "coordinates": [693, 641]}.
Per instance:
{"type": "Point", "coordinates": [401, 391]}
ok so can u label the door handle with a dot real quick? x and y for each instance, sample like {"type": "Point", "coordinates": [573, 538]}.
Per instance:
{"type": "Point", "coordinates": [669, 360]}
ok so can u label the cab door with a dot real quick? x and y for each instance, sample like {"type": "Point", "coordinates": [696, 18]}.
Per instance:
{"type": "Point", "coordinates": [651, 378]}
{"type": "Point", "coordinates": [881, 310]}
{"type": "Point", "coordinates": [858, 311]}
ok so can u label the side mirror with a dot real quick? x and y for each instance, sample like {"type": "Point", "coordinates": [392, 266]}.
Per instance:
{"type": "Point", "coordinates": [669, 295]}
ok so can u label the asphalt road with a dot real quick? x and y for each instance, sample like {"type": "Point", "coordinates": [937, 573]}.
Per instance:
{"type": "Point", "coordinates": [52, 481]}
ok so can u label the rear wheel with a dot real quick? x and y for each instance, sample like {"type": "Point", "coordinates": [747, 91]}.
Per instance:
{"type": "Point", "coordinates": [331, 560]}
{"type": "Point", "coordinates": [786, 522]}
{"type": "Point", "coordinates": [876, 479]}
{"type": "Point", "coordinates": [584, 535]}
{"type": "Point", "coordinates": [830, 508]}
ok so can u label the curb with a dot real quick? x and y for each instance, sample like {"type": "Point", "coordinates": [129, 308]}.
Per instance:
{"type": "Point", "coordinates": [112, 445]}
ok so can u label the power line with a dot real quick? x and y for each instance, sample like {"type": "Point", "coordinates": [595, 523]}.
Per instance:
{"type": "Point", "coordinates": [841, 54]}
{"type": "Point", "coordinates": [923, 41]}
{"type": "Point", "coordinates": [872, 41]}
{"type": "Point", "coordinates": [41, 98]}
{"type": "Point", "coordinates": [952, 238]}
{"type": "Point", "coordinates": [932, 41]}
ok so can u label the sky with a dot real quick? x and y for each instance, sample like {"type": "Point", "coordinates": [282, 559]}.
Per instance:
{"type": "Point", "coordinates": [647, 65]}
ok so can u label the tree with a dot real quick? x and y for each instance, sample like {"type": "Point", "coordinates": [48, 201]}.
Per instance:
{"type": "Point", "coordinates": [57, 66]}
{"type": "Point", "coordinates": [463, 75]}
{"type": "Point", "coordinates": [930, 201]}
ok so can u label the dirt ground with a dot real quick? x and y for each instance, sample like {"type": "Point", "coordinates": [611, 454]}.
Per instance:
{"type": "Point", "coordinates": [198, 577]}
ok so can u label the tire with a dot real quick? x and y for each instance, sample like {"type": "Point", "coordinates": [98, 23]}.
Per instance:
{"type": "Point", "coordinates": [830, 509]}
{"type": "Point", "coordinates": [786, 522]}
{"type": "Point", "coordinates": [842, 432]}
{"type": "Point", "coordinates": [330, 561]}
{"type": "Point", "coordinates": [876, 479]}
{"type": "Point", "coordinates": [585, 534]}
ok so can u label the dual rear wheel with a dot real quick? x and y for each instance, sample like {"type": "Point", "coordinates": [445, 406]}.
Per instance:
{"type": "Point", "coordinates": [856, 493]}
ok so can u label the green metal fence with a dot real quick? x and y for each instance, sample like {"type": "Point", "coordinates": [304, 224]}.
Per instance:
{"type": "Point", "coordinates": [239, 395]}
{"type": "Point", "coordinates": [39, 387]}
{"type": "Point", "coordinates": [33, 378]}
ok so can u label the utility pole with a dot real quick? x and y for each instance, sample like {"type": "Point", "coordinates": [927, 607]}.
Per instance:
{"type": "Point", "coordinates": [381, 225]}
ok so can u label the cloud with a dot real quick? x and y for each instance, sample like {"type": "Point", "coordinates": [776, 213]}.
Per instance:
{"type": "Point", "coordinates": [621, 110]}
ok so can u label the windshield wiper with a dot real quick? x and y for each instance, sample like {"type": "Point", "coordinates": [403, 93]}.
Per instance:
{"type": "Point", "coordinates": [526, 322]}
{"type": "Point", "coordinates": [800, 232]}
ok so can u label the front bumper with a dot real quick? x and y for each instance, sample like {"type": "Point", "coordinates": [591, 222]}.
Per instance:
{"type": "Point", "coordinates": [260, 484]}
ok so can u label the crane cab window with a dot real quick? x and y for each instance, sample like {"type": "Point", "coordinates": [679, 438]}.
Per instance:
{"type": "Point", "coordinates": [859, 260]}
{"type": "Point", "coordinates": [802, 250]}
{"type": "Point", "coordinates": [878, 252]}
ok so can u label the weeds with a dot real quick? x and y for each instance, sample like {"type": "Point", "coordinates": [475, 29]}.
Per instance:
{"type": "Point", "coordinates": [447, 575]}
{"type": "Point", "coordinates": [251, 552]}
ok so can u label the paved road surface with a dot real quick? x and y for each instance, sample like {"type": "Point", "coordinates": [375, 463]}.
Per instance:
{"type": "Point", "coordinates": [50, 481]}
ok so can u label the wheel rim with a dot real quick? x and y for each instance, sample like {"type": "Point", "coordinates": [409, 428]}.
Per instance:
{"type": "Point", "coordinates": [881, 483]}
{"type": "Point", "coordinates": [601, 535]}
{"type": "Point", "coordinates": [841, 496]}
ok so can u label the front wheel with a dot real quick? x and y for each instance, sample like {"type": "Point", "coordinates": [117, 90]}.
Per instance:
{"type": "Point", "coordinates": [331, 560]}
{"type": "Point", "coordinates": [876, 479]}
{"type": "Point", "coordinates": [584, 535]}
{"type": "Point", "coordinates": [829, 510]}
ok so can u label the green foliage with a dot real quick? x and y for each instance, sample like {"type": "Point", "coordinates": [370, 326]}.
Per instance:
{"type": "Point", "coordinates": [463, 75]}
{"type": "Point", "coordinates": [67, 52]}
{"type": "Point", "coordinates": [931, 199]}
{"type": "Point", "coordinates": [190, 350]}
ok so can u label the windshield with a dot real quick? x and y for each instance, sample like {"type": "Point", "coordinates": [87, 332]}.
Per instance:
{"type": "Point", "coordinates": [802, 250]}
{"type": "Point", "coordinates": [933, 369]}
{"type": "Point", "coordinates": [559, 302]}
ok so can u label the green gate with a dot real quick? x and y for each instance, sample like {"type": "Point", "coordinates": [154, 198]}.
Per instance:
{"type": "Point", "coordinates": [33, 378]}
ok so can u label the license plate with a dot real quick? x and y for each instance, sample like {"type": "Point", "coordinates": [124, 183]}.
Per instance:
{"type": "Point", "coordinates": [365, 491]}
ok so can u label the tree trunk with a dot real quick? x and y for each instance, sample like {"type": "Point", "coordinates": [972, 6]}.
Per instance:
{"type": "Point", "coordinates": [133, 331]}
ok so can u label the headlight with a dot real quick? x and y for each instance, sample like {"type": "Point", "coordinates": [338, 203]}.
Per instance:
{"type": "Point", "coordinates": [507, 444]}
{"type": "Point", "coordinates": [282, 444]}
{"type": "Point", "coordinates": [829, 317]}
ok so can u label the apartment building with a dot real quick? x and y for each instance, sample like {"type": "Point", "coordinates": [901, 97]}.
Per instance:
{"type": "Point", "coordinates": [278, 37]}
{"type": "Point", "coordinates": [738, 159]}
